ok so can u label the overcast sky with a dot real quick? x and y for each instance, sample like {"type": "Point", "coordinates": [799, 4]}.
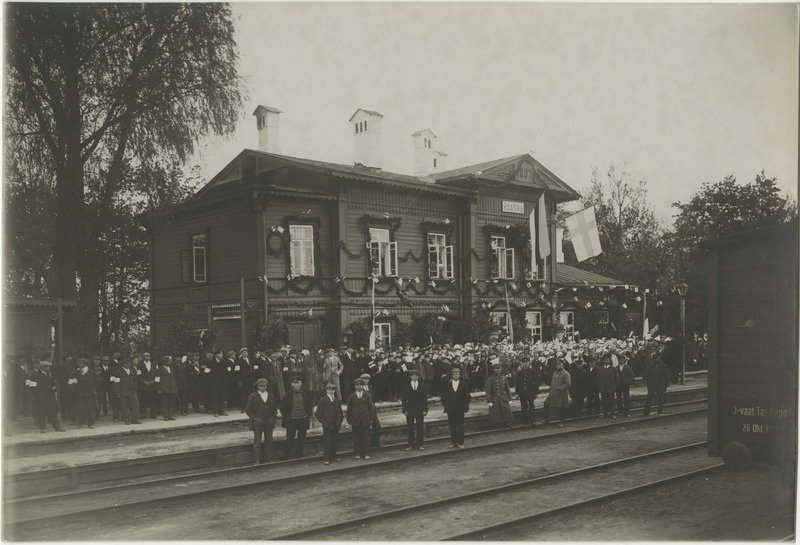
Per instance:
{"type": "Point", "coordinates": [684, 94]}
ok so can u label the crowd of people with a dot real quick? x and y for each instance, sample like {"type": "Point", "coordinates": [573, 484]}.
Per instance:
{"type": "Point", "coordinates": [591, 376]}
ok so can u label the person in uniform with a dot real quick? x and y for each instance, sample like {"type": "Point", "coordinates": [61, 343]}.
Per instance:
{"type": "Point", "coordinates": [191, 373]}
{"type": "Point", "coordinates": [498, 396]}
{"type": "Point", "coordinates": [167, 388]}
{"type": "Point", "coordinates": [296, 408]}
{"type": "Point", "coordinates": [262, 409]}
{"type": "Point", "coordinates": [558, 398]}
{"type": "Point", "coordinates": [45, 405]}
{"type": "Point", "coordinates": [329, 414]}
{"type": "Point", "coordinates": [527, 388]}
{"type": "Point", "coordinates": [360, 412]}
{"type": "Point", "coordinates": [414, 403]}
{"type": "Point", "coordinates": [455, 400]}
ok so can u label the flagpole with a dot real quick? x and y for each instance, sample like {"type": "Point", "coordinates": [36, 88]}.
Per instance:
{"type": "Point", "coordinates": [508, 316]}
{"type": "Point", "coordinates": [372, 333]}
{"type": "Point", "coordinates": [644, 314]}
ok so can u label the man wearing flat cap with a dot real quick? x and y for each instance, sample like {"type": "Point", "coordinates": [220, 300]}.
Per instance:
{"type": "Point", "coordinates": [331, 370]}
{"type": "Point", "coordinates": [296, 408]}
{"type": "Point", "coordinates": [246, 379]}
{"type": "Point", "coordinates": [262, 408]}
{"type": "Point", "coordinates": [455, 400]}
{"type": "Point", "coordinates": [329, 413]}
{"type": "Point", "coordinates": [233, 390]}
{"type": "Point", "coordinates": [148, 389]}
{"type": "Point", "coordinates": [45, 406]}
{"type": "Point", "coordinates": [360, 412]}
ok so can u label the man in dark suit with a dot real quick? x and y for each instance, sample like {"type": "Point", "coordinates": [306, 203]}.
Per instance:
{"type": "Point", "coordinates": [233, 390]}
{"type": "Point", "coordinates": [348, 368]}
{"type": "Point", "coordinates": [329, 413]}
{"type": "Point", "coordinates": [125, 389]}
{"type": "Point", "coordinates": [245, 378]}
{"type": "Point", "coordinates": [148, 390]}
{"type": "Point", "coordinates": [262, 408]}
{"type": "Point", "coordinates": [167, 388]}
{"type": "Point", "coordinates": [527, 388]}
{"type": "Point", "coordinates": [455, 399]}
{"type": "Point", "coordinates": [45, 406]}
{"type": "Point", "coordinates": [360, 412]}
{"type": "Point", "coordinates": [82, 383]}
{"type": "Point", "coordinates": [375, 431]}
{"type": "Point", "coordinates": [296, 408]}
{"type": "Point", "coordinates": [218, 381]}
{"type": "Point", "coordinates": [415, 407]}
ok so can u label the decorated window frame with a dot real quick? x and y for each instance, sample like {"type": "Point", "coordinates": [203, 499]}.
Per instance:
{"type": "Point", "coordinates": [503, 258]}
{"type": "Point", "coordinates": [288, 243]}
{"type": "Point", "coordinates": [198, 257]}
{"type": "Point", "coordinates": [533, 320]}
{"type": "Point", "coordinates": [440, 257]}
{"type": "Point", "coordinates": [382, 247]}
{"type": "Point", "coordinates": [567, 319]}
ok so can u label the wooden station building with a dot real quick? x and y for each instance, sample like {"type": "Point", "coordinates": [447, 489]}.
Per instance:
{"type": "Point", "coordinates": [308, 241]}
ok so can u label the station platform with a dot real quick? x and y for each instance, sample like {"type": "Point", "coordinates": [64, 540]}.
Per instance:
{"type": "Point", "coordinates": [21, 432]}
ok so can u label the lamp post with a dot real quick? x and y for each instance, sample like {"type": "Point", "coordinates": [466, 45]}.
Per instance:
{"type": "Point", "coordinates": [682, 288]}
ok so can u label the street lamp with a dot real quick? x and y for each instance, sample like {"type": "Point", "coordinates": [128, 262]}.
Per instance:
{"type": "Point", "coordinates": [682, 288]}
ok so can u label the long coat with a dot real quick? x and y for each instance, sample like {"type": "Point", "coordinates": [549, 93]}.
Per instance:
{"type": "Point", "coordinates": [331, 369]}
{"type": "Point", "coordinates": [498, 394]}
{"type": "Point", "coordinates": [527, 385]}
{"type": "Point", "coordinates": [44, 392]}
{"type": "Point", "coordinates": [607, 379]}
{"type": "Point", "coordinates": [559, 389]}
{"type": "Point", "coordinates": [166, 380]}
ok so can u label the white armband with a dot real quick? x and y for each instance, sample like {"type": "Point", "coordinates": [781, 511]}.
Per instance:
{"type": "Point", "coordinates": [158, 379]}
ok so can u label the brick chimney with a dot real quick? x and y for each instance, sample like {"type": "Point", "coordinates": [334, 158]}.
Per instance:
{"type": "Point", "coordinates": [367, 138]}
{"type": "Point", "coordinates": [267, 123]}
{"type": "Point", "coordinates": [427, 159]}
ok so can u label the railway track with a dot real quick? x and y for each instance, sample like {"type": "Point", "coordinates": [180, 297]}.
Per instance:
{"type": "Point", "coordinates": [24, 518]}
{"type": "Point", "coordinates": [36, 483]}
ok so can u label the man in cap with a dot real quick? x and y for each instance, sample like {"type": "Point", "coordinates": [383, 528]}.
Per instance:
{"type": "Point", "coordinates": [45, 406]}
{"type": "Point", "coordinates": [82, 383]}
{"type": "Point", "coordinates": [125, 390]}
{"type": "Point", "coordinates": [262, 408]}
{"type": "Point", "coordinates": [296, 408]}
{"type": "Point", "coordinates": [167, 388]}
{"type": "Point", "coordinates": [233, 390]}
{"type": "Point", "coordinates": [329, 413]}
{"type": "Point", "coordinates": [375, 428]}
{"type": "Point", "coordinates": [558, 398]}
{"type": "Point", "coordinates": [218, 382]}
{"type": "Point", "coordinates": [246, 378]}
{"type": "Point", "coordinates": [110, 368]}
{"type": "Point", "coordinates": [331, 370]}
{"type": "Point", "coordinates": [100, 385]}
{"type": "Point", "coordinates": [360, 412]}
{"type": "Point", "coordinates": [414, 402]}
{"type": "Point", "coordinates": [148, 389]}
{"type": "Point", "coordinates": [192, 372]}
{"type": "Point", "coordinates": [455, 400]}
{"type": "Point", "coordinates": [348, 366]}
{"type": "Point", "coordinates": [527, 388]}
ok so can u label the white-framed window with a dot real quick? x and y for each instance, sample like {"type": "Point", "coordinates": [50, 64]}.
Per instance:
{"type": "Point", "coordinates": [504, 258]}
{"type": "Point", "coordinates": [301, 253]}
{"type": "Point", "coordinates": [383, 334]}
{"type": "Point", "coordinates": [534, 322]}
{"type": "Point", "coordinates": [199, 264]}
{"type": "Point", "coordinates": [602, 317]}
{"type": "Point", "coordinates": [382, 252]}
{"type": "Point", "coordinates": [440, 256]}
{"type": "Point", "coordinates": [567, 319]}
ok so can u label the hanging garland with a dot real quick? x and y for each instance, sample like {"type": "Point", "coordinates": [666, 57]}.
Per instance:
{"type": "Point", "coordinates": [478, 257]}
{"type": "Point", "coordinates": [272, 251]}
{"type": "Point", "coordinates": [410, 255]}
{"type": "Point", "coordinates": [358, 255]}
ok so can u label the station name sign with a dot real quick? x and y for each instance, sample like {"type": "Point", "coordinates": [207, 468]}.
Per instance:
{"type": "Point", "coordinates": [514, 207]}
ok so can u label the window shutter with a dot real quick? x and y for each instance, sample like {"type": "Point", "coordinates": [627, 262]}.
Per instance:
{"type": "Point", "coordinates": [449, 269]}
{"type": "Point", "coordinates": [494, 266]}
{"type": "Point", "coordinates": [392, 259]}
{"type": "Point", "coordinates": [308, 258]}
{"type": "Point", "coordinates": [186, 266]}
{"type": "Point", "coordinates": [433, 261]}
{"type": "Point", "coordinates": [375, 257]}
{"type": "Point", "coordinates": [295, 258]}
{"type": "Point", "coordinates": [509, 262]}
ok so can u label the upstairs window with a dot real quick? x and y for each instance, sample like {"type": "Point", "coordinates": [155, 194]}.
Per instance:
{"type": "Point", "coordinates": [382, 252]}
{"type": "Point", "coordinates": [199, 255]}
{"type": "Point", "coordinates": [533, 321]}
{"type": "Point", "coordinates": [301, 253]}
{"type": "Point", "coordinates": [440, 256]}
{"type": "Point", "coordinates": [567, 319]}
{"type": "Point", "coordinates": [503, 259]}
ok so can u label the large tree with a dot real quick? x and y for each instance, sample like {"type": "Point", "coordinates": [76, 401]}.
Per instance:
{"type": "Point", "coordinates": [98, 92]}
{"type": "Point", "coordinates": [719, 209]}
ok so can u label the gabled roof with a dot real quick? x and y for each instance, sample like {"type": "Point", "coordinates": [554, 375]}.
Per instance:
{"type": "Point", "coordinates": [569, 275]}
{"type": "Point", "coordinates": [424, 130]}
{"type": "Point", "coordinates": [266, 108]}
{"type": "Point", "coordinates": [370, 112]}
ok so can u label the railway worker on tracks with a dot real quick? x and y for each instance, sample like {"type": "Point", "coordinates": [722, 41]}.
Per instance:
{"type": "Point", "coordinates": [82, 382]}
{"type": "Point", "coordinates": [558, 398]}
{"type": "Point", "coordinates": [360, 412]}
{"type": "Point", "coordinates": [262, 409]}
{"type": "Point", "coordinates": [125, 389]}
{"type": "Point", "coordinates": [45, 405]}
{"type": "Point", "coordinates": [455, 400]}
{"type": "Point", "coordinates": [329, 414]}
{"type": "Point", "coordinates": [296, 408]}
{"type": "Point", "coordinates": [657, 382]}
{"type": "Point", "coordinates": [498, 396]}
{"type": "Point", "coordinates": [167, 388]}
{"type": "Point", "coordinates": [415, 407]}
{"type": "Point", "coordinates": [527, 388]}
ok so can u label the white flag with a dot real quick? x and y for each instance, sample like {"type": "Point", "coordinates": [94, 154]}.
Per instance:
{"type": "Point", "coordinates": [532, 227]}
{"type": "Point", "coordinates": [544, 239]}
{"type": "Point", "coordinates": [372, 340]}
{"type": "Point", "coordinates": [585, 236]}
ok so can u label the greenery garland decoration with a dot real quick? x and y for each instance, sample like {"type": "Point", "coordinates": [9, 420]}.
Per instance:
{"type": "Point", "coordinates": [358, 255]}
{"type": "Point", "coordinates": [410, 255]}
{"type": "Point", "coordinates": [270, 235]}
{"type": "Point", "coordinates": [478, 257]}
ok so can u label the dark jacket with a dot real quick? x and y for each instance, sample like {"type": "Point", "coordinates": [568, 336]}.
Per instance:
{"type": "Point", "coordinates": [44, 391]}
{"type": "Point", "coordinates": [456, 401]}
{"type": "Point", "coordinates": [359, 411]}
{"type": "Point", "coordinates": [658, 378]}
{"type": "Point", "coordinates": [125, 384]}
{"type": "Point", "coordinates": [329, 413]}
{"type": "Point", "coordinates": [415, 402]}
{"type": "Point", "coordinates": [166, 380]}
{"type": "Point", "coordinates": [147, 379]}
{"type": "Point", "coordinates": [256, 408]}
{"type": "Point", "coordinates": [527, 384]}
{"type": "Point", "coordinates": [83, 386]}
{"type": "Point", "coordinates": [245, 373]}
{"type": "Point", "coordinates": [607, 379]}
{"type": "Point", "coordinates": [626, 377]}
{"type": "Point", "coordinates": [288, 401]}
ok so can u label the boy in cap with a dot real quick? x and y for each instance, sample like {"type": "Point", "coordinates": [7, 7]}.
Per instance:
{"type": "Point", "coordinates": [414, 403]}
{"type": "Point", "coordinates": [262, 408]}
{"type": "Point", "coordinates": [296, 408]}
{"type": "Point", "coordinates": [329, 413]}
{"type": "Point", "coordinates": [360, 412]}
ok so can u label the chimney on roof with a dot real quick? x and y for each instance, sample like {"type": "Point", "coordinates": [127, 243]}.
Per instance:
{"type": "Point", "coordinates": [427, 159]}
{"type": "Point", "coordinates": [367, 138]}
{"type": "Point", "coordinates": [267, 123]}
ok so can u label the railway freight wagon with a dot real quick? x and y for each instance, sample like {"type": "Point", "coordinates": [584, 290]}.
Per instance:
{"type": "Point", "coordinates": [753, 336]}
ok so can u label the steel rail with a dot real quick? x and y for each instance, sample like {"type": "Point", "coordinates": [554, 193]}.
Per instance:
{"type": "Point", "coordinates": [39, 482]}
{"type": "Point", "coordinates": [403, 511]}
{"type": "Point", "coordinates": [477, 535]}
{"type": "Point", "coordinates": [33, 503]}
